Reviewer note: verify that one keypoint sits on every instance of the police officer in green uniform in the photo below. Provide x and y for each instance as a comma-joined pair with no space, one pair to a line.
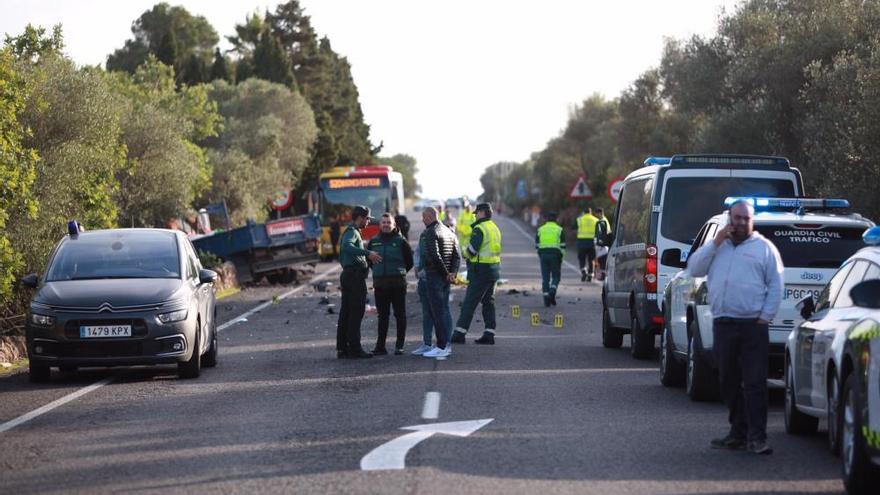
484,254
353,282
586,243
389,281
550,243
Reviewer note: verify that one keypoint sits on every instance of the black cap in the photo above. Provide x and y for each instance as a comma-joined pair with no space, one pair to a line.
487,207
360,211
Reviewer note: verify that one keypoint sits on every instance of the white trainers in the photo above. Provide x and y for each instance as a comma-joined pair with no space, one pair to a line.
437,352
420,350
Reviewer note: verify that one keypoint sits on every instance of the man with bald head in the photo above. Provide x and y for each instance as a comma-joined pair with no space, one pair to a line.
438,264
744,276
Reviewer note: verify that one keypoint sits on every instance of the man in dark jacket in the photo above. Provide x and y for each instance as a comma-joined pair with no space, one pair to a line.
389,281
353,282
439,255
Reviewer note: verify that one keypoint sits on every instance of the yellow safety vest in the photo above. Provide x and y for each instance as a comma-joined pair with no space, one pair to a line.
490,249
587,226
463,226
442,216
549,236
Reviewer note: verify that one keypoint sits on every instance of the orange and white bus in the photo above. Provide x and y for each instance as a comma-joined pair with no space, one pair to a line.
378,187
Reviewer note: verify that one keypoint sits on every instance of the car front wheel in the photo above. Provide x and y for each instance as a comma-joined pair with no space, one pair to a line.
672,373
192,368
834,414
859,474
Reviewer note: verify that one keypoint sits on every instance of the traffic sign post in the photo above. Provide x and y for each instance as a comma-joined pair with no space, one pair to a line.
581,189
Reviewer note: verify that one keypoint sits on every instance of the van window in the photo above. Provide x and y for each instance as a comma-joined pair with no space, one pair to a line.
635,212
810,246
689,201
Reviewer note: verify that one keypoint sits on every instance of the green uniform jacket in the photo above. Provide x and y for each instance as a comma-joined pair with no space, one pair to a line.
351,249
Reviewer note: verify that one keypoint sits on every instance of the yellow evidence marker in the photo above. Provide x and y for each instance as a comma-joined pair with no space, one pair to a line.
514,310
536,319
558,321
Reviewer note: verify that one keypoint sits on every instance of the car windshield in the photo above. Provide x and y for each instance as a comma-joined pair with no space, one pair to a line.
689,201
337,203
813,246
116,254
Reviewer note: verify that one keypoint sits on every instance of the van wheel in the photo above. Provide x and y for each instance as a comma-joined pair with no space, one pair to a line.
833,407
859,474
612,338
796,422
672,372
701,384
193,367
641,340
38,373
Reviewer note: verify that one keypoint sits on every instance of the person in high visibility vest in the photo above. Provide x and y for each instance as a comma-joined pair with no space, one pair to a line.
484,254
550,243
463,226
586,243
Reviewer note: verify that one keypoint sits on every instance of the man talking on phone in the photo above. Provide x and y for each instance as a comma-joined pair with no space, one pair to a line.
744,276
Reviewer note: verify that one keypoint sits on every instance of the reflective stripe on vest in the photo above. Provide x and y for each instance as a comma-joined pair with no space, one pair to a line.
549,236
587,226
490,249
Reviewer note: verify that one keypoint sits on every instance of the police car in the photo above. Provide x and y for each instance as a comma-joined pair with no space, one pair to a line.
812,241
833,366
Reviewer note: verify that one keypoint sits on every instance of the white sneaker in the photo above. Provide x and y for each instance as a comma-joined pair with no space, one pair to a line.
437,352
420,350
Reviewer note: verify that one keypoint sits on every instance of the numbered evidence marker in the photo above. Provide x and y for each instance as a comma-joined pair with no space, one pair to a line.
514,311
536,319
558,321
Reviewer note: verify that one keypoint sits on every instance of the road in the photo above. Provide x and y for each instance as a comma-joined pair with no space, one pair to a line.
281,414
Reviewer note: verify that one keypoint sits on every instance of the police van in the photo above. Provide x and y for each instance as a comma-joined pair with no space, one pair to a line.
813,237
661,208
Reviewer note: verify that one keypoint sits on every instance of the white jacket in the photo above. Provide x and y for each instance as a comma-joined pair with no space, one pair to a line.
744,281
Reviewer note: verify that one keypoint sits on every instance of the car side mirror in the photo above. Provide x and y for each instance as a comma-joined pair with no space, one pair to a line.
673,257
807,306
207,276
31,280
866,294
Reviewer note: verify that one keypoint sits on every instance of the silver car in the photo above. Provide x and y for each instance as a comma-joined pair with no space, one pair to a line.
122,297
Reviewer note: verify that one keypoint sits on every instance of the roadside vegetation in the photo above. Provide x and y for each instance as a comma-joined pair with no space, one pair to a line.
797,79
170,125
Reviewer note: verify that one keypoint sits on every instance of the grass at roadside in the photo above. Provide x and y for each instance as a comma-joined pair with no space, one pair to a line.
226,292
14,367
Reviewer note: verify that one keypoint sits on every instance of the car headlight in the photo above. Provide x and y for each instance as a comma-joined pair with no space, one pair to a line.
172,316
42,320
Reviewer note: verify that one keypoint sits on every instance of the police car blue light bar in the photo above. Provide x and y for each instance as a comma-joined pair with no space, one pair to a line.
872,236
657,160
788,203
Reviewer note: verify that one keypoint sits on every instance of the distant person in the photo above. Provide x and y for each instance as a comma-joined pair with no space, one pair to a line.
550,243
603,242
439,259
464,224
484,254
402,225
586,243
353,283
389,281
745,283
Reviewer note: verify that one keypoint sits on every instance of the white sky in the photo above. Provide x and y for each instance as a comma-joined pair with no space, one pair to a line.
458,84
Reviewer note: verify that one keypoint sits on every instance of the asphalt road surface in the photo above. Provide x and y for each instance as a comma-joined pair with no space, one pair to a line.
281,414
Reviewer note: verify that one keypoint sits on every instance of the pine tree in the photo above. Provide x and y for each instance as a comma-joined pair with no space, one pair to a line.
193,72
167,52
270,61
219,69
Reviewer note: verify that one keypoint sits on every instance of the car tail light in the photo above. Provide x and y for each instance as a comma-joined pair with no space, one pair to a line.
651,269
657,320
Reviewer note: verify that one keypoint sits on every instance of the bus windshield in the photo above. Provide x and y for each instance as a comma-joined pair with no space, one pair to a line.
336,203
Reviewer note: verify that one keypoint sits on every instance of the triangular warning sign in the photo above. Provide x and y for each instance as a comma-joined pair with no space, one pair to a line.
581,190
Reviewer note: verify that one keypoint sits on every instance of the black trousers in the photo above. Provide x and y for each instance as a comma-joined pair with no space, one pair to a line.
386,298
353,283
586,255
742,353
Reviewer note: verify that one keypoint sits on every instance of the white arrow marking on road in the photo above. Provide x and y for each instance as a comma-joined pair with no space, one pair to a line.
391,455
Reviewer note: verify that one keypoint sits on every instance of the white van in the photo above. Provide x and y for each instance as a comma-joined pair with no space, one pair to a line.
662,207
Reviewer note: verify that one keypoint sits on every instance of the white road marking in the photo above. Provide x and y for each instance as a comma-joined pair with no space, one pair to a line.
392,455
532,238
24,418
431,408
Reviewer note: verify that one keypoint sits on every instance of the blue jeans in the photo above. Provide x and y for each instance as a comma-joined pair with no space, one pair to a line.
434,296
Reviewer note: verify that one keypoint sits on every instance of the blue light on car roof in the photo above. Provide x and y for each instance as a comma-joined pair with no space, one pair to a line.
657,160
872,236
73,227
789,203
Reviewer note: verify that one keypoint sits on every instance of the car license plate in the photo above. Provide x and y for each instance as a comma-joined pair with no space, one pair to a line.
799,292
101,331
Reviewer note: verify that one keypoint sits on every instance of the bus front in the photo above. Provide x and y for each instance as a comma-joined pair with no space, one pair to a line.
338,195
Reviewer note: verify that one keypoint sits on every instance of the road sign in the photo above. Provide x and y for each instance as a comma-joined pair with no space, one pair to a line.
614,189
392,455
282,200
581,190
514,311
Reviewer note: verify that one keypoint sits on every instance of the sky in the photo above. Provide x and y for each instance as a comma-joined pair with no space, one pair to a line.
459,84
